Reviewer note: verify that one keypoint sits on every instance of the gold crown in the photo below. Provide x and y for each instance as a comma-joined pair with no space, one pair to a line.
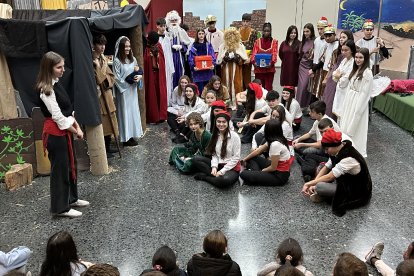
210,18
323,22
368,24
329,29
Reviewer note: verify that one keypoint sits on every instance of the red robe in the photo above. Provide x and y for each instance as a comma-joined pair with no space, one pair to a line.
155,86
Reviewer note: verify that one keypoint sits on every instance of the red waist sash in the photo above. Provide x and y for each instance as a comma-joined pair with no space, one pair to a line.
284,166
51,128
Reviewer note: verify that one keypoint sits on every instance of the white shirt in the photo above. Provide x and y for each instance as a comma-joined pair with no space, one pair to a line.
314,131
198,107
233,152
52,106
216,38
328,54
319,46
176,102
294,109
370,45
277,148
287,132
267,110
347,165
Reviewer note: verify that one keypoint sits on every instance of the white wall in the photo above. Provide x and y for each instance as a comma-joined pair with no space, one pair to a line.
282,14
143,3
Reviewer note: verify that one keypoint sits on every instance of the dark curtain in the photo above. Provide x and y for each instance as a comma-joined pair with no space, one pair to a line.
160,8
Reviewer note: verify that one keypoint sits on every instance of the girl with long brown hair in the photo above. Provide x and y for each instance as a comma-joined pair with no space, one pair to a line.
58,130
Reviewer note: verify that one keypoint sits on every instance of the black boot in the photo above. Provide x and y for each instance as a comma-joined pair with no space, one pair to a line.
108,149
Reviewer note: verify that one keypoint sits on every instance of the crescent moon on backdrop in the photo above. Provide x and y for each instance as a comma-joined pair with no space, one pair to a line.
341,5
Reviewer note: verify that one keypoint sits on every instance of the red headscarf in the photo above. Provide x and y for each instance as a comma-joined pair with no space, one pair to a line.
331,138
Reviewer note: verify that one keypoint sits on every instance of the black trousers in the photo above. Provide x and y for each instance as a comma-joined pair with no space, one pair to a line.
254,175
63,189
249,131
203,164
172,121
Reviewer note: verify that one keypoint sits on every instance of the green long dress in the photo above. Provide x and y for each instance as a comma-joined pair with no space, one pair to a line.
191,148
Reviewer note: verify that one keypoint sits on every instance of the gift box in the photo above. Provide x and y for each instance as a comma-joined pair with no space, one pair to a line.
203,62
263,60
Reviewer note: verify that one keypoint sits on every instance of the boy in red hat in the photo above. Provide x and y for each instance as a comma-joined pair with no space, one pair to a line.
345,177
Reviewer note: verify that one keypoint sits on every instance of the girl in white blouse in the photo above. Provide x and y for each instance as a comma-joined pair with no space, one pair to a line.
292,105
222,170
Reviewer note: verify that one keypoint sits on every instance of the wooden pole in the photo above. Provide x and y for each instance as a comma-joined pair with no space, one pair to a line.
96,149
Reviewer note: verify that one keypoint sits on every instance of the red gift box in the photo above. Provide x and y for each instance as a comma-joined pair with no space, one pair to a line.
203,62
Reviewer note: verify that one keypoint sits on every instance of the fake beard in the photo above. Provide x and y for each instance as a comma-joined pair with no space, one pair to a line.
175,30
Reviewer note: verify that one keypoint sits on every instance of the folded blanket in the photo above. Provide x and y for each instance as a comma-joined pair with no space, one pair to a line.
400,86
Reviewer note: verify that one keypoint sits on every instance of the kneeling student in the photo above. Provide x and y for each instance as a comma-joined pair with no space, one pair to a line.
344,178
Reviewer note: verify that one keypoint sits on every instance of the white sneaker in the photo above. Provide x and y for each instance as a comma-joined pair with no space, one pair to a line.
72,213
80,203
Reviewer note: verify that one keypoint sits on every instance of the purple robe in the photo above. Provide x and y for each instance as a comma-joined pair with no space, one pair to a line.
303,96
178,60
201,77
330,88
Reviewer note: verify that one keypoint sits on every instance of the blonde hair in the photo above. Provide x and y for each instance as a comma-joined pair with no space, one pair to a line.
45,77
232,39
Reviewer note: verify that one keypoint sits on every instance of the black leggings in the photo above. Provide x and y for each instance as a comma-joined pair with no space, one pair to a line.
172,121
254,176
203,165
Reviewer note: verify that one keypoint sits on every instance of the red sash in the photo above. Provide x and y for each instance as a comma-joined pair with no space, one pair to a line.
51,128
284,166
298,120
236,168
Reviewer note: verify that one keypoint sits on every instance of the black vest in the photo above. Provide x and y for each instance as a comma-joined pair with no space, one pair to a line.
62,99
352,191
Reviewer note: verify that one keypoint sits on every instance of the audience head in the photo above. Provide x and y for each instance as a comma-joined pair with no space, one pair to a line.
288,94
258,81
246,18
216,107
210,97
272,98
405,268
279,113
317,109
220,127
161,25
349,265
409,253
292,35
331,141
329,33
290,250
191,94
215,84
288,270
99,42
101,270
273,132
368,28
348,50
60,252
322,23
345,36
215,244
183,81
324,124
194,121
164,260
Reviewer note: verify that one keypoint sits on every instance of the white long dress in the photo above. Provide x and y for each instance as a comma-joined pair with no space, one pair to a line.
169,66
345,67
354,120
126,95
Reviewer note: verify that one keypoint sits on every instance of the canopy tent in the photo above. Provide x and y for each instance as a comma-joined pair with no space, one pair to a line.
69,33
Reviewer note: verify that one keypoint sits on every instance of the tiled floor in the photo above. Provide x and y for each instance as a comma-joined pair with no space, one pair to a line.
146,203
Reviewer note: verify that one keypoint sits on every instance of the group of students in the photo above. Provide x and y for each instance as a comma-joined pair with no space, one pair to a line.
62,259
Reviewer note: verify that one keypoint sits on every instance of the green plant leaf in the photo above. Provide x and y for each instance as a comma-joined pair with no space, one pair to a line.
2,174
5,128
7,139
19,144
19,132
19,160
12,150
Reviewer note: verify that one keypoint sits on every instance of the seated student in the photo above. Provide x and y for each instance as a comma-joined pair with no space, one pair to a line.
209,100
291,104
214,260
259,117
176,108
348,264
344,179
405,268
288,252
304,145
274,171
241,99
309,163
14,260
373,257
101,270
222,93
62,257
181,156
192,103
165,260
223,169
279,114
208,117
254,101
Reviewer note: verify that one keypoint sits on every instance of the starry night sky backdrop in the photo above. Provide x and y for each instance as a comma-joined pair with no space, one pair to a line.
393,11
